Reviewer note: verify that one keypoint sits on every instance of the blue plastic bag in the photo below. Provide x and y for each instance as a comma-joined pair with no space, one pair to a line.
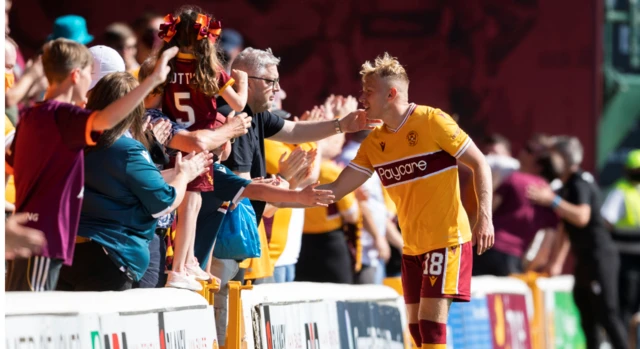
238,237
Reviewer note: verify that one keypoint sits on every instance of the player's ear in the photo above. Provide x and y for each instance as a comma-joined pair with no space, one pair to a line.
393,92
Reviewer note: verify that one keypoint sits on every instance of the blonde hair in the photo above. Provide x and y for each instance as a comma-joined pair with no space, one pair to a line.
385,66
61,56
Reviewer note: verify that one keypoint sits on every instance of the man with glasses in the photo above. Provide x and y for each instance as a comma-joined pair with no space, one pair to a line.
248,157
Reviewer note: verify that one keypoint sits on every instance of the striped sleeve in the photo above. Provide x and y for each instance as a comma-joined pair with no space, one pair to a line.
361,162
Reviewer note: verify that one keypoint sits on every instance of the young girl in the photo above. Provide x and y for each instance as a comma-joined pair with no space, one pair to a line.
196,78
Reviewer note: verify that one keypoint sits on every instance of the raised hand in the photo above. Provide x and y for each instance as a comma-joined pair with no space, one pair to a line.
294,163
310,196
162,68
240,76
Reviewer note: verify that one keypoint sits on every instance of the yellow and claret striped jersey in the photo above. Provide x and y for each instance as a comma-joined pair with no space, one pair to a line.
417,164
318,220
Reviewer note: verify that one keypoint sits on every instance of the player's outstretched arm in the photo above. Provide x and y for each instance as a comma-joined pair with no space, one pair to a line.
482,182
348,181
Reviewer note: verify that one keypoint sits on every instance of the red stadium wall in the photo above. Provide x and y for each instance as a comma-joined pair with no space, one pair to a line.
510,66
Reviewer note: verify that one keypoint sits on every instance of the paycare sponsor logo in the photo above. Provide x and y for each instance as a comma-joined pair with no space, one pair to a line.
414,167
399,171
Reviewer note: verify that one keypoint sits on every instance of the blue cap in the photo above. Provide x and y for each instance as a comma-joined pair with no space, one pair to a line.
71,27
230,39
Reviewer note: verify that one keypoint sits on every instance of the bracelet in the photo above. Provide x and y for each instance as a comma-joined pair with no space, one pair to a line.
556,201
337,125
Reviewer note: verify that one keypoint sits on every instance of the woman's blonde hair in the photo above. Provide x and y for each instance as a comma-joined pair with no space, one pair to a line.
208,65
109,89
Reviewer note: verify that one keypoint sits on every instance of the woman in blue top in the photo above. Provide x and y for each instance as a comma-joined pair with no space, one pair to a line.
124,195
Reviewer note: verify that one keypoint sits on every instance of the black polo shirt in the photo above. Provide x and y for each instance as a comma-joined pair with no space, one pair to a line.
247,153
594,240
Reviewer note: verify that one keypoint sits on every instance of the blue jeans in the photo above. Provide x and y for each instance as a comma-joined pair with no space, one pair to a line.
154,276
284,273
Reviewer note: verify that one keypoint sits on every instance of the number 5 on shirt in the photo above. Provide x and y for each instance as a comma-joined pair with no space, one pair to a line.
184,108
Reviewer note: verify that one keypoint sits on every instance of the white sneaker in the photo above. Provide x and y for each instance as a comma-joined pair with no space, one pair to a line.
193,269
183,281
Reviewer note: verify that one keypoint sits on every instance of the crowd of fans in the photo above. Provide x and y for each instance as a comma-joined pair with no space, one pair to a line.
128,157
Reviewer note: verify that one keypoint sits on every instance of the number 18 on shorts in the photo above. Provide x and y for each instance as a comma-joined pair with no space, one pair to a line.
441,273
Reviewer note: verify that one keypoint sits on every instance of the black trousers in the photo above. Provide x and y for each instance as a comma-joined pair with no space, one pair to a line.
92,270
629,286
494,262
596,296
325,258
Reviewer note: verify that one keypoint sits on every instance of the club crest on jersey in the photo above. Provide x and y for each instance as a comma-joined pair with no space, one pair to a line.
412,138
382,145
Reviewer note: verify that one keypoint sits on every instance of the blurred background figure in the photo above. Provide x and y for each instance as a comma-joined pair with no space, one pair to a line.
496,144
584,233
121,38
621,210
232,44
146,29
71,27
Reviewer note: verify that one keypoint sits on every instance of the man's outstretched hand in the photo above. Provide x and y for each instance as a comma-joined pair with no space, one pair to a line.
358,121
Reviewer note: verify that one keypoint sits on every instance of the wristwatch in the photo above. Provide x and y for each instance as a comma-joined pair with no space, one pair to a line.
336,124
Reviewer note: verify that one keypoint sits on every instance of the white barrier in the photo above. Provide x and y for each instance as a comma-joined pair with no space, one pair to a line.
135,319
311,315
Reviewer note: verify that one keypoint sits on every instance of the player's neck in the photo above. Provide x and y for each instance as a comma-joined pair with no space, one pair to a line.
60,93
395,115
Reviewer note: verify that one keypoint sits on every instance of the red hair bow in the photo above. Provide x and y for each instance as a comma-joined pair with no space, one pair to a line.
207,28
168,28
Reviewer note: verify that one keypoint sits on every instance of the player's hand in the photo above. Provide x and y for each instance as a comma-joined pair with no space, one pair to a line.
21,241
357,121
483,235
193,164
310,196
162,68
238,124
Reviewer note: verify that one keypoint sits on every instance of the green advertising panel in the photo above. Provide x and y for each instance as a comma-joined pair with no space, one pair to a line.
568,334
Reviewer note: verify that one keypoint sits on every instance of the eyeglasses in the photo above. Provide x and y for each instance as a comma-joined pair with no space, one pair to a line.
273,82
